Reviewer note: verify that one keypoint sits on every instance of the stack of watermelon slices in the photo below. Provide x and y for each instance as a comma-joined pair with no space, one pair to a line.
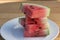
35,22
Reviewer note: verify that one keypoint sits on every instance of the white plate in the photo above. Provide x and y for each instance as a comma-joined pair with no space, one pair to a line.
11,30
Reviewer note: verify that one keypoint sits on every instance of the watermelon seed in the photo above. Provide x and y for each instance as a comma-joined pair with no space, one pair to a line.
24,12
40,28
31,7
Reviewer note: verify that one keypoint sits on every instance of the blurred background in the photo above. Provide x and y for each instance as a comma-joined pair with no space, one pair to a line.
42,0
4,1
10,10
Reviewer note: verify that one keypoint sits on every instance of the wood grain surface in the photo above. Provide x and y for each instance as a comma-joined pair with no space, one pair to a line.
11,10
7,1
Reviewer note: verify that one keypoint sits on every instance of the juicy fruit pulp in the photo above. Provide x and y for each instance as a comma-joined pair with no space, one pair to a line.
34,30
35,11
34,22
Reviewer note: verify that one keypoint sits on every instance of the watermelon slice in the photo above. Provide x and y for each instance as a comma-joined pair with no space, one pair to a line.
35,11
35,30
35,22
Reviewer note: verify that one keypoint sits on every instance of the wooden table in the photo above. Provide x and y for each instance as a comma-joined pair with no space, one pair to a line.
11,10
7,1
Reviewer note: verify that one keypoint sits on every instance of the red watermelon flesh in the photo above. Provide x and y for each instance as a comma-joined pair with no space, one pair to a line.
33,28
35,21
34,11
